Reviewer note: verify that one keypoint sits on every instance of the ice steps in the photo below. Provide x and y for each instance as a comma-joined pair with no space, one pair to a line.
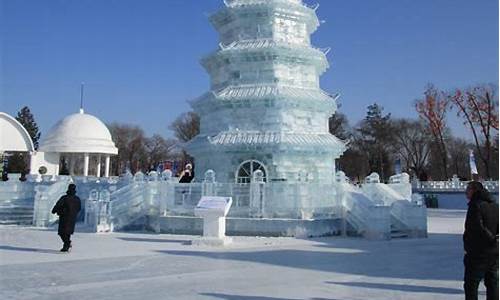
20,214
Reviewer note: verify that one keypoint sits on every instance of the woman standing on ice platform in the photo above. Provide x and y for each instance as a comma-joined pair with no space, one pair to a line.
480,243
186,175
67,209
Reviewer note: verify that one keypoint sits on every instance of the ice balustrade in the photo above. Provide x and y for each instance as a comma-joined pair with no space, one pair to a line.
155,194
16,201
16,193
409,217
367,218
128,204
152,196
453,185
46,196
97,211
407,213
255,199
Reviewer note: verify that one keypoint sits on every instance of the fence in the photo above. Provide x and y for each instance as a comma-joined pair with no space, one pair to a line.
453,185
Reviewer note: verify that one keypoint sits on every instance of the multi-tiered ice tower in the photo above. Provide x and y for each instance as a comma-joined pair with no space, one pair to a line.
265,110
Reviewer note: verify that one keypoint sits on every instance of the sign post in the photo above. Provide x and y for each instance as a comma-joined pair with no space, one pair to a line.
213,210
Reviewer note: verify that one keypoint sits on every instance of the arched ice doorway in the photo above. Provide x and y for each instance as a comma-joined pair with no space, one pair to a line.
245,171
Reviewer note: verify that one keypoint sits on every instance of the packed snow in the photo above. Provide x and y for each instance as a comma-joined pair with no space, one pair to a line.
158,266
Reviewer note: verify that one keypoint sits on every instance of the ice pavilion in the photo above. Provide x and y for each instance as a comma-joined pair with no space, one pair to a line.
79,140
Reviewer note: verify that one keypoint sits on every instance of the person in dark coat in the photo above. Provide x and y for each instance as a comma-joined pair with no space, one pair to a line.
480,242
67,208
187,175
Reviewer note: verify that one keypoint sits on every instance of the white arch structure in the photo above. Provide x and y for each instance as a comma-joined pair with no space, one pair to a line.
13,136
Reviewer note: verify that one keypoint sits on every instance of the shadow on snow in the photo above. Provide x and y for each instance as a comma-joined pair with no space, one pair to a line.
401,287
437,258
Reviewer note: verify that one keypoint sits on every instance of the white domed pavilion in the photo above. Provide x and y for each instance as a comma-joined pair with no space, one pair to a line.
80,140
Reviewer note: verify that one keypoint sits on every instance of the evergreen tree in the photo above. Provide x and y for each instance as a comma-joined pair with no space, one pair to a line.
376,139
25,117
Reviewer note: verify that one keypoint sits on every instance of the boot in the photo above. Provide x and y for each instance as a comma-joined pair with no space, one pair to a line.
66,247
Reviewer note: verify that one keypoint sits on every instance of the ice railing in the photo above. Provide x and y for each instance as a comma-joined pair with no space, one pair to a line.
98,211
257,199
154,195
148,197
16,201
407,212
16,193
452,185
46,196
368,218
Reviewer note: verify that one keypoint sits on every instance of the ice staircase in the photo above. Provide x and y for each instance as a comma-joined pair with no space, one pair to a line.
128,205
408,218
382,211
16,203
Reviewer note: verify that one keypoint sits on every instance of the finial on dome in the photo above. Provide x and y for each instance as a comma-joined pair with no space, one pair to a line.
81,97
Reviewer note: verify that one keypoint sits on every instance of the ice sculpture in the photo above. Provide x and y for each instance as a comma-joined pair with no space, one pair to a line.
264,142
265,110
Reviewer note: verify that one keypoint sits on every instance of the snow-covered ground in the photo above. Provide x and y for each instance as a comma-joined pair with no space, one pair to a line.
146,266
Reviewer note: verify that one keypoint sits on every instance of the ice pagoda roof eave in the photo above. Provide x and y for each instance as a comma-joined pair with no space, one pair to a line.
267,47
224,16
236,138
266,92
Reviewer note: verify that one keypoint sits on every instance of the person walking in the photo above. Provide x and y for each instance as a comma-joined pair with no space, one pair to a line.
480,243
67,209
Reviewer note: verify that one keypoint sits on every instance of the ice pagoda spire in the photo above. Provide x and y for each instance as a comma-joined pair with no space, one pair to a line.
265,109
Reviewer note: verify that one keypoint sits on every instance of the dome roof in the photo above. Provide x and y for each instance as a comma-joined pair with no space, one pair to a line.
79,133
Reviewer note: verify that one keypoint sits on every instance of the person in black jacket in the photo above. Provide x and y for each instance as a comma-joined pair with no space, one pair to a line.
186,175
480,242
67,208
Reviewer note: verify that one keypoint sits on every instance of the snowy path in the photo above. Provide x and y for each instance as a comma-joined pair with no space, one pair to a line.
145,266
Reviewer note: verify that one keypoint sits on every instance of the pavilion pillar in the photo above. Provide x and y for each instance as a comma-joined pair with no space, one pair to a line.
98,166
71,164
86,164
106,166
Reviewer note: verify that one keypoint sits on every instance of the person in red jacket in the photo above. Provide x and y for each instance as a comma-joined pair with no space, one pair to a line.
480,243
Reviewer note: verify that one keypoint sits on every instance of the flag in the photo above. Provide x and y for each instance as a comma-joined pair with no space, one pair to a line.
472,163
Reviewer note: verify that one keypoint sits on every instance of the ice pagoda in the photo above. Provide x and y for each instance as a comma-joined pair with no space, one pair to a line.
265,109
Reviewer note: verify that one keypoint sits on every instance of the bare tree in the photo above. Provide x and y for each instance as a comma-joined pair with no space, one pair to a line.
478,106
130,141
432,109
411,142
159,149
186,126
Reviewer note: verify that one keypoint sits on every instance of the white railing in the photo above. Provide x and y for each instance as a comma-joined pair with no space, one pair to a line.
449,186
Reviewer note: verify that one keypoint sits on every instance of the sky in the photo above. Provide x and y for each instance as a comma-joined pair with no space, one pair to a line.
139,59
